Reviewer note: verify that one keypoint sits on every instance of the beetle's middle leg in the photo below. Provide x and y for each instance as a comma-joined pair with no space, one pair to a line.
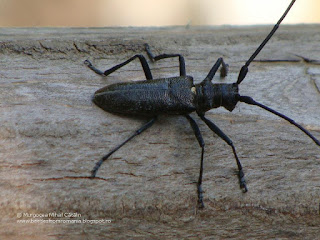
143,61
139,131
197,133
225,138
182,65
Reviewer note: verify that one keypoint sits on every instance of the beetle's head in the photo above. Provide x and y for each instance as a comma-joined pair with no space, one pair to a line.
229,94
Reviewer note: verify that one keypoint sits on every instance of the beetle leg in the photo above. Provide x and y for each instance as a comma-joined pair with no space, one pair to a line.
143,61
197,133
140,130
225,138
223,71
182,65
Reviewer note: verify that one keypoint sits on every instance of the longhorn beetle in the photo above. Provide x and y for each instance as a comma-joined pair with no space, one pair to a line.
180,96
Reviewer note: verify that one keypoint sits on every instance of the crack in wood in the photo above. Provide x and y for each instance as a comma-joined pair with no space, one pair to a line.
69,177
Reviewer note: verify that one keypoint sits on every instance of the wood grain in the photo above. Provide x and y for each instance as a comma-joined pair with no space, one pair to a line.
51,135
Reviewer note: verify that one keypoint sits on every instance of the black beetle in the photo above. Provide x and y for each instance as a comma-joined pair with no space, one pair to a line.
180,96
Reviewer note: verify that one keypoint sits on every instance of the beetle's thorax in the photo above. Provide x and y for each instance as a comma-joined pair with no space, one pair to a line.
216,95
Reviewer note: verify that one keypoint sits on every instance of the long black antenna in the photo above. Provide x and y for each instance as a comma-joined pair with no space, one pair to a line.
249,100
244,70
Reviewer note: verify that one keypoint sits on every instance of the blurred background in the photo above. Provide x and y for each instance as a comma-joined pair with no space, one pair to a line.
103,13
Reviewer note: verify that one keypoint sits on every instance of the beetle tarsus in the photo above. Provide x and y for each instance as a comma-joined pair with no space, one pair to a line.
224,70
89,65
95,169
242,181
87,62
200,196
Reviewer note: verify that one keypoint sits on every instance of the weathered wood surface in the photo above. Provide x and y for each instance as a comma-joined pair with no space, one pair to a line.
51,135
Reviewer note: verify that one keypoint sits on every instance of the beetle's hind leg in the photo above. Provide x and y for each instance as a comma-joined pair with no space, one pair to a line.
182,65
139,131
143,61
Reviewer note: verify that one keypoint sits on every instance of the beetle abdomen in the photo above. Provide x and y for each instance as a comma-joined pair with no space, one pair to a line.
151,97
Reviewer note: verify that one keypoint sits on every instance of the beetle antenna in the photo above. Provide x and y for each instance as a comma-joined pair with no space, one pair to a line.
250,101
244,70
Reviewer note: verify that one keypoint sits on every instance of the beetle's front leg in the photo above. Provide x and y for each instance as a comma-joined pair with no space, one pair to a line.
225,138
223,71
197,133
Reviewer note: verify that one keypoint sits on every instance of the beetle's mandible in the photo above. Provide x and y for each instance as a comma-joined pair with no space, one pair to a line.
180,96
